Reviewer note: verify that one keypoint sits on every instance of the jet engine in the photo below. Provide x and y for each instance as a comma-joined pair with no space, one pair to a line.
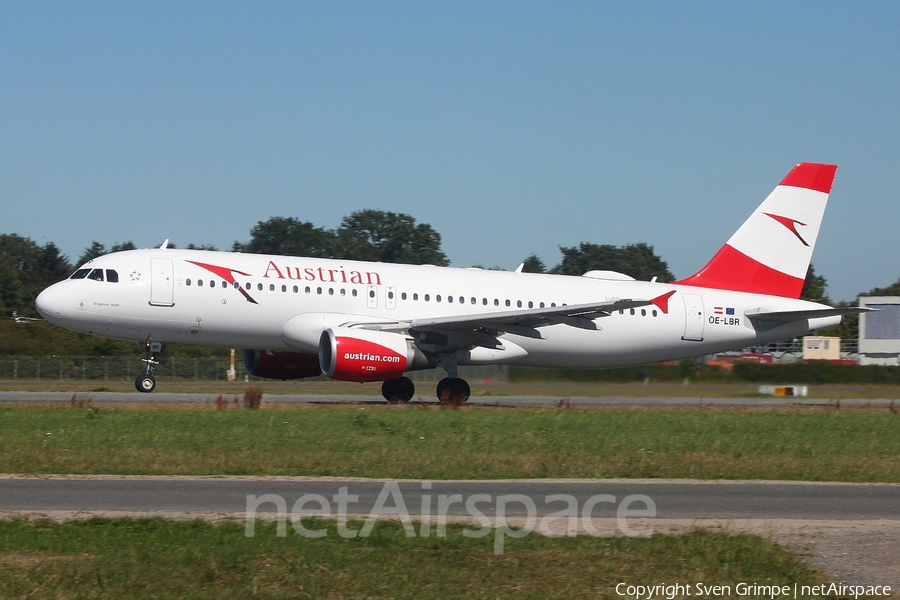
281,365
351,354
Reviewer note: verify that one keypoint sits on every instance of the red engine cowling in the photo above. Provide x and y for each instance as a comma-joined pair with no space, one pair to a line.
281,365
364,355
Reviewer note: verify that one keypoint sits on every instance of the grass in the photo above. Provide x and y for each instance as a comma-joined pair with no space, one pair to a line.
473,442
480,387
131,558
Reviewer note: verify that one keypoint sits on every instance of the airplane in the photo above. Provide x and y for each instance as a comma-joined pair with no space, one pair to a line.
372,322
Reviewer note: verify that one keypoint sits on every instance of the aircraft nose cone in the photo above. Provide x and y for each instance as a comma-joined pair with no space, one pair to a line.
49,302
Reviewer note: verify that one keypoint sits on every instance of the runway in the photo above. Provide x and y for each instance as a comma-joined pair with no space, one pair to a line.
672,499
508,401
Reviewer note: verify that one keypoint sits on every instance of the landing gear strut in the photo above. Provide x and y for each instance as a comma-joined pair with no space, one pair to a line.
400,390
146,382
452,390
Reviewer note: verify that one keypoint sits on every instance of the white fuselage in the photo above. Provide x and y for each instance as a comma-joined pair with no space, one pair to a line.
165,295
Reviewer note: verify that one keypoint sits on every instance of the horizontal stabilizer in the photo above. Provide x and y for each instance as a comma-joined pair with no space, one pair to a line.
786,316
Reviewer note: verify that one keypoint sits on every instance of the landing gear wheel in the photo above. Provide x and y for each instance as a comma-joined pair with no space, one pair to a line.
399,390
453,391
145,383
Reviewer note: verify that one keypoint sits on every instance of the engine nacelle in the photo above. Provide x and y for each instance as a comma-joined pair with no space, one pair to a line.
351,354
281,365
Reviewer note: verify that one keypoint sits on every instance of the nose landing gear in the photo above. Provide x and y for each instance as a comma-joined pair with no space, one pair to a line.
146,382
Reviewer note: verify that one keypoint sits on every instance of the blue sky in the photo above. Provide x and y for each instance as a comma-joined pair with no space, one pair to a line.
511,127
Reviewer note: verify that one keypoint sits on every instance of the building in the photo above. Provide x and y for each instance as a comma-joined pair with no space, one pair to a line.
879,331
816,347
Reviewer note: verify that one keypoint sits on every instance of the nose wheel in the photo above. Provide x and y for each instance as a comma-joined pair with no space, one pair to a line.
146,382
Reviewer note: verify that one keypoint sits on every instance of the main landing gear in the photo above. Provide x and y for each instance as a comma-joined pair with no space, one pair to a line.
453,391
146,382
398,391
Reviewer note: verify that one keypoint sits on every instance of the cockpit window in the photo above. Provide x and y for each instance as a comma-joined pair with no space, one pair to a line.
112,276
96,275
80,274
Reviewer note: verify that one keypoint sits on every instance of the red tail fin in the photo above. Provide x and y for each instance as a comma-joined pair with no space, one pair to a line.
770,253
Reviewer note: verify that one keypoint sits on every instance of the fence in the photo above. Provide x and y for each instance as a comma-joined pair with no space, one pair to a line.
112,368
127,368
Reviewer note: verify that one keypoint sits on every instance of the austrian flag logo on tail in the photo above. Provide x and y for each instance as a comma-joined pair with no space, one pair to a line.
791,224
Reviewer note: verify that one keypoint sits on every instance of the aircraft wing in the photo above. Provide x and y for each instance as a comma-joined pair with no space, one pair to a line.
524,321
786,316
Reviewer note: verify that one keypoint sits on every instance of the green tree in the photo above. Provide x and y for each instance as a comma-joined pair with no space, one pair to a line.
26,269
96,250
891,290
533,264
814,287
636,260
287,235
388,237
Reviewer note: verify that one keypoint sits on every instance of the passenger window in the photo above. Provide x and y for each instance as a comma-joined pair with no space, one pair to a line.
259,286
224,284
437,298
462,300
343,292
96,275
519,303
507,302
237,286
319,291
80,274
112,276
283,288
271,287
199,283
449,299
484,301
632,311
390,295
371,293
187,282
353,293
496,302
415,296
248,285
296,289
307,290
654,312
542,305
643,312
403,295
427,297
331,291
